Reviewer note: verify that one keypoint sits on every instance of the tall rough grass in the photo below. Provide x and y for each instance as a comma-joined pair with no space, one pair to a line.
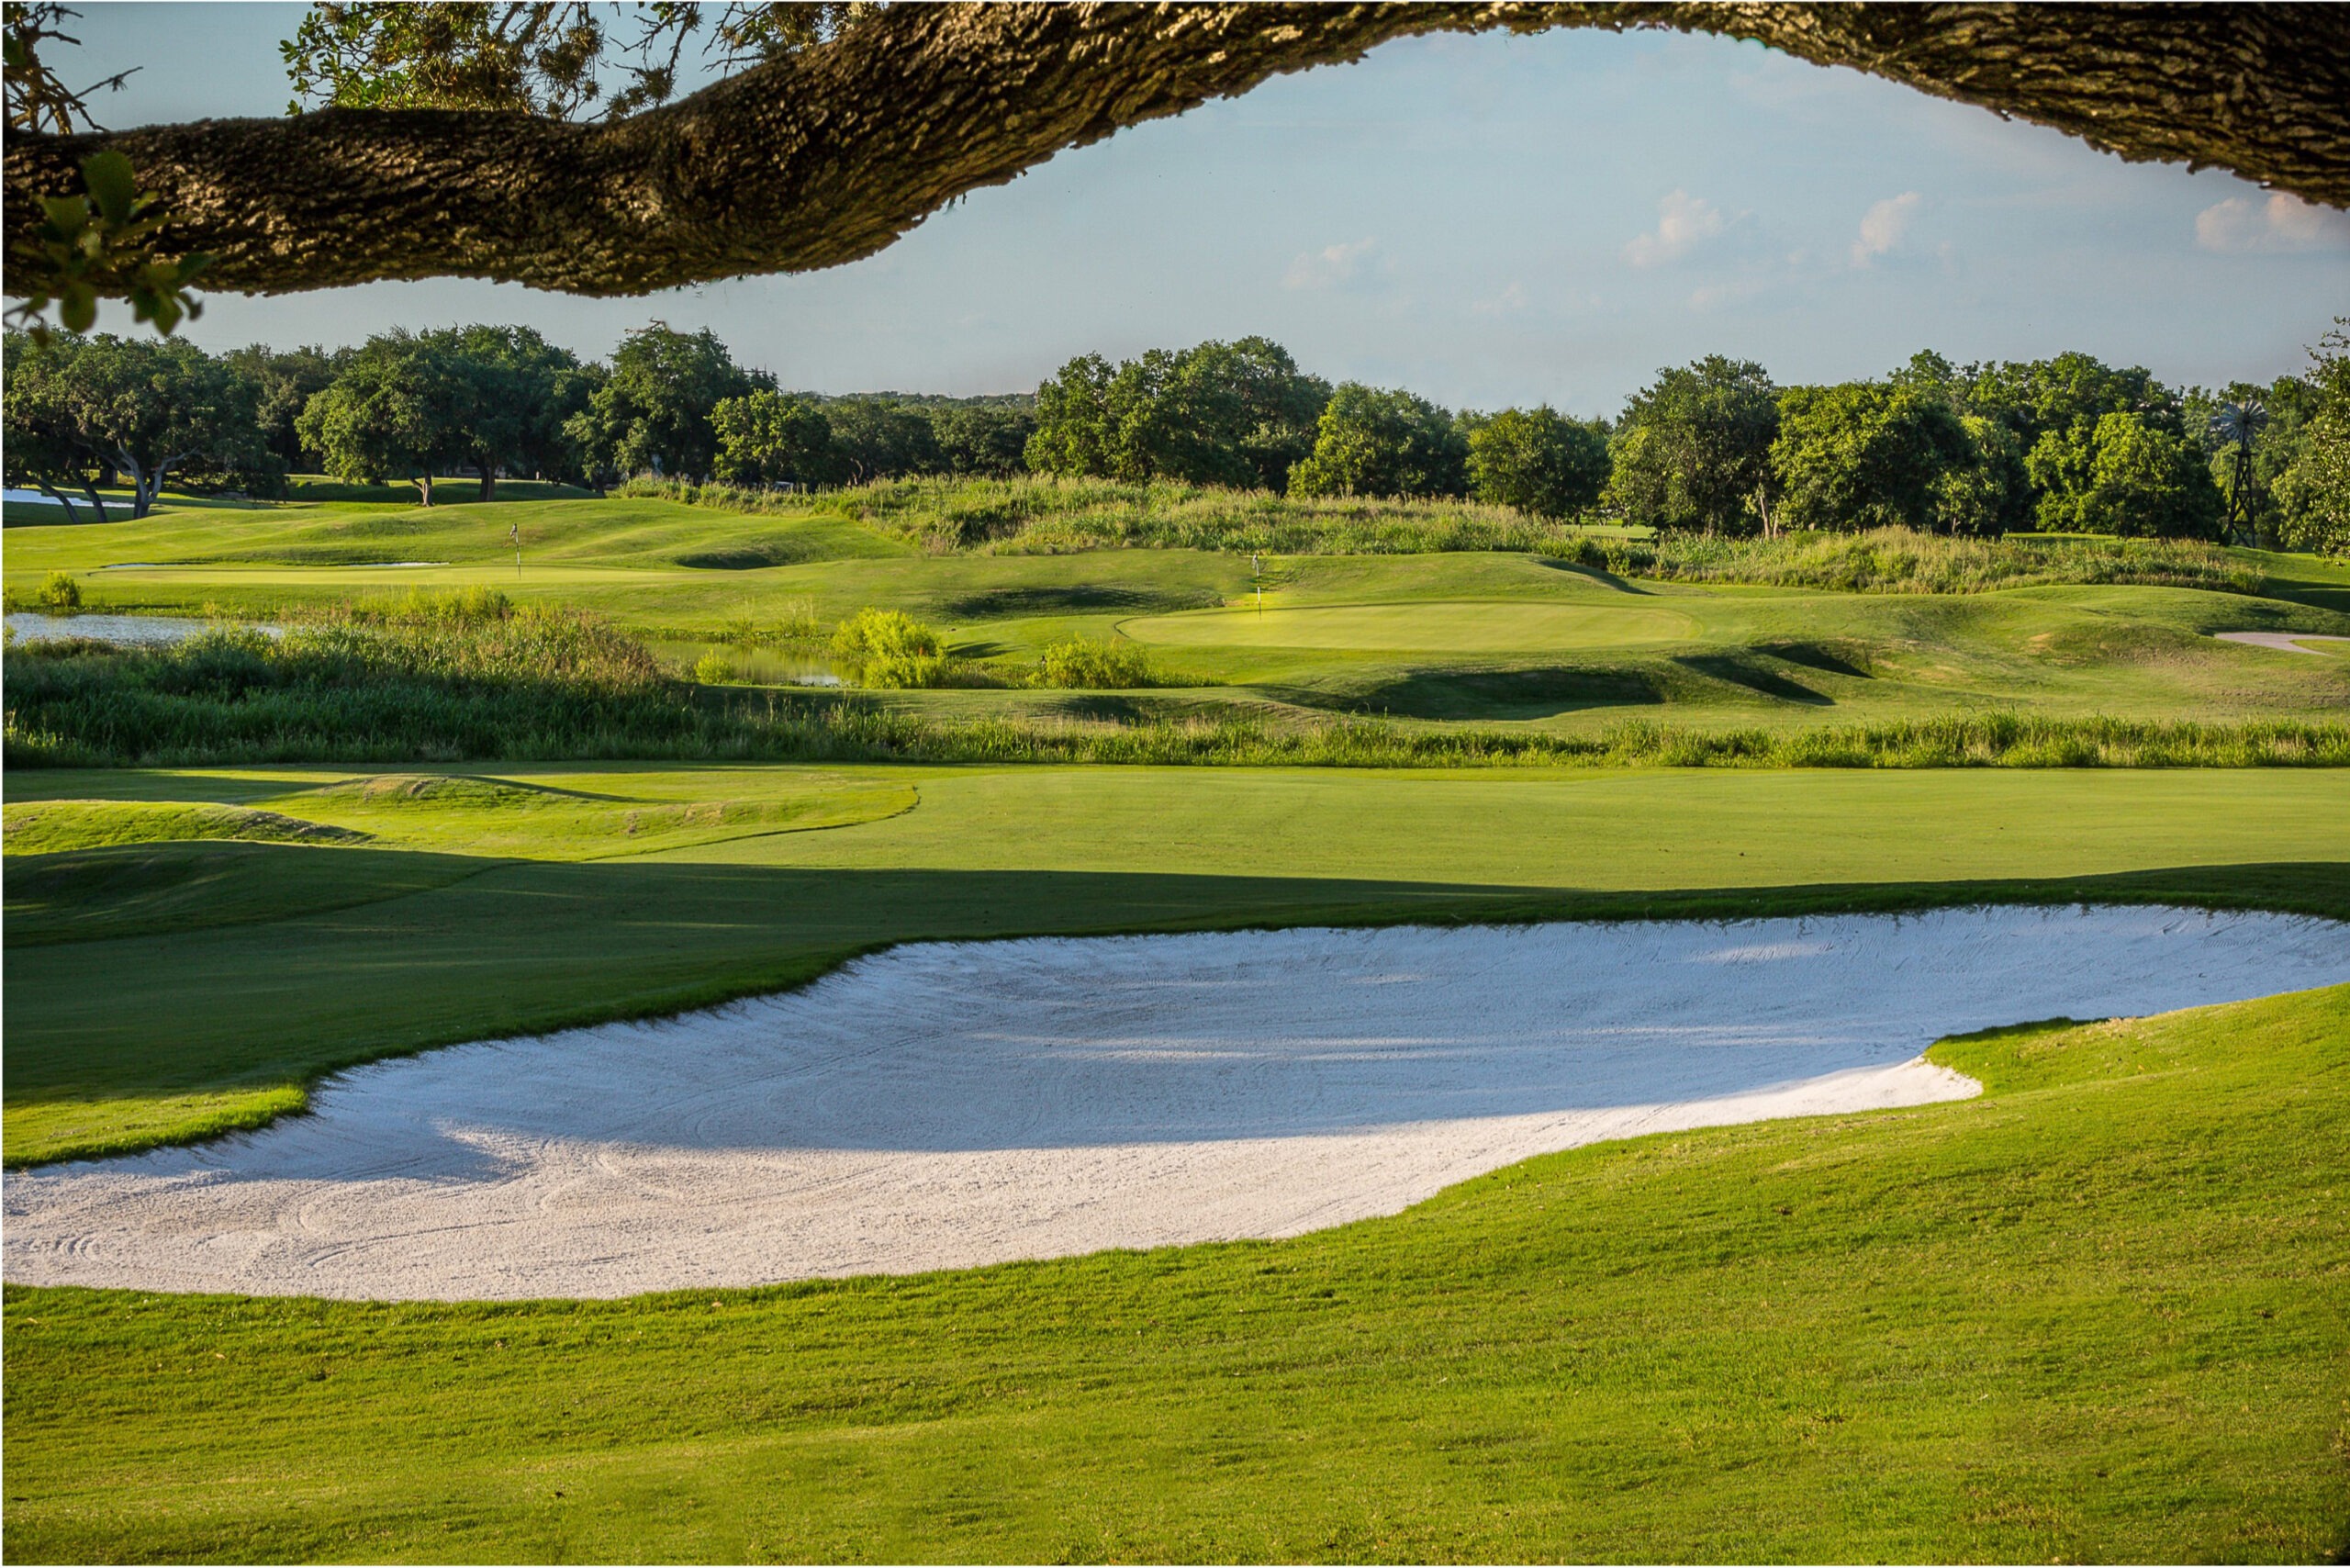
1042,515
858,733
443,683
430,678
1900,560
1037,515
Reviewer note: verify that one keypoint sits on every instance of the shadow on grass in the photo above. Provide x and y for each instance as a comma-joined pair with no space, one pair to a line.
1074,599
1442,693
1825,658
1743,670
1600,574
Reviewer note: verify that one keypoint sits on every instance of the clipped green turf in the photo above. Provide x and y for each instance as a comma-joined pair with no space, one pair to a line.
477,814
1437,627
142,994
2096,1315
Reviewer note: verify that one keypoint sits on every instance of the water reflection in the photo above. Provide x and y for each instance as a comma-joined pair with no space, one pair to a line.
129,631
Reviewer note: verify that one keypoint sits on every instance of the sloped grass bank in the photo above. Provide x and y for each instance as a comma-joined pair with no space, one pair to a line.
440,686
1042,515
2094,1315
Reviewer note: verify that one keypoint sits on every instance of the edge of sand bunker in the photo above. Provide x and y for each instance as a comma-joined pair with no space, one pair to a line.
943,1106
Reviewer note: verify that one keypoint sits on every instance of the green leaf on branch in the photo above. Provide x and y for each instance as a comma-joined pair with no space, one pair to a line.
101,243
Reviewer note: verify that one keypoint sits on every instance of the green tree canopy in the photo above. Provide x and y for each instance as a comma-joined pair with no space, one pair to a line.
1865,454
145,406
1239,414
286,381
1693,449
881,438
1990,491
39,448
2069,392
2312,495
2126,475
1538,461
767,438
651,411
1380,441
396,409
983,438
518,391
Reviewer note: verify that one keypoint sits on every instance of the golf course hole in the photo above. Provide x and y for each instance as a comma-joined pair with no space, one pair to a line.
949,1104
1456,627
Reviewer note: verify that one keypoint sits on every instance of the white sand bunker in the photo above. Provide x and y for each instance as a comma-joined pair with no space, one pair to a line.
2283,641
946,1105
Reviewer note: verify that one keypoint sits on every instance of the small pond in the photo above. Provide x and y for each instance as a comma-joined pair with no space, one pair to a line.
130,630
752,665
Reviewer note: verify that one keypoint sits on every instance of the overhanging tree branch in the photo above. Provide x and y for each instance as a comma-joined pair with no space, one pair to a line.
831,154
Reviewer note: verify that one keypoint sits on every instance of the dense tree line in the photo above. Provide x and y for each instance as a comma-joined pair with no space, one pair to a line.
479,402
2067,444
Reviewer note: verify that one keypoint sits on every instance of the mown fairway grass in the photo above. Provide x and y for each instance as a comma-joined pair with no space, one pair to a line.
2098,1314
155,993
1478,637
1491,628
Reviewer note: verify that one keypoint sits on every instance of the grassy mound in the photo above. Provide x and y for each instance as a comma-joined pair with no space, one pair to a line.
47,827
1039,514
2092,1315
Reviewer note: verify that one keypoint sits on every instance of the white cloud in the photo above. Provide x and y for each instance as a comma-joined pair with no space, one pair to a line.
1508,302
1683,222
1883,226
1326,268
2281,223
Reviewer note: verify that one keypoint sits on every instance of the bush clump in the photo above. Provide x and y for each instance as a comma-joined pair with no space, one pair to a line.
1085,665
889,649
61,595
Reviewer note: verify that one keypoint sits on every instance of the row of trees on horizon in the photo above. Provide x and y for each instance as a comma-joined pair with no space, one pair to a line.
2068,443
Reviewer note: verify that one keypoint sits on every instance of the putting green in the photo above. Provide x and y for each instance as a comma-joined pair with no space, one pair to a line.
1474,627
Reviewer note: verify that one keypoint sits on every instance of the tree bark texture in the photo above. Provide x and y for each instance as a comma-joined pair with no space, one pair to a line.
832,154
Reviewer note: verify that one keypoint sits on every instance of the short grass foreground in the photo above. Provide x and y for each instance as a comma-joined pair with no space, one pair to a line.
2095,1313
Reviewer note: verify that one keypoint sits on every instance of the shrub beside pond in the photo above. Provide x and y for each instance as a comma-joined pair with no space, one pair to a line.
1085,664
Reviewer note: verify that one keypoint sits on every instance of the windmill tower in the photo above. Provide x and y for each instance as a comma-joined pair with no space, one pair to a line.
2237,426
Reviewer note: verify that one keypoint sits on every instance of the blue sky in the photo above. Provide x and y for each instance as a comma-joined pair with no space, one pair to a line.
1486,220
